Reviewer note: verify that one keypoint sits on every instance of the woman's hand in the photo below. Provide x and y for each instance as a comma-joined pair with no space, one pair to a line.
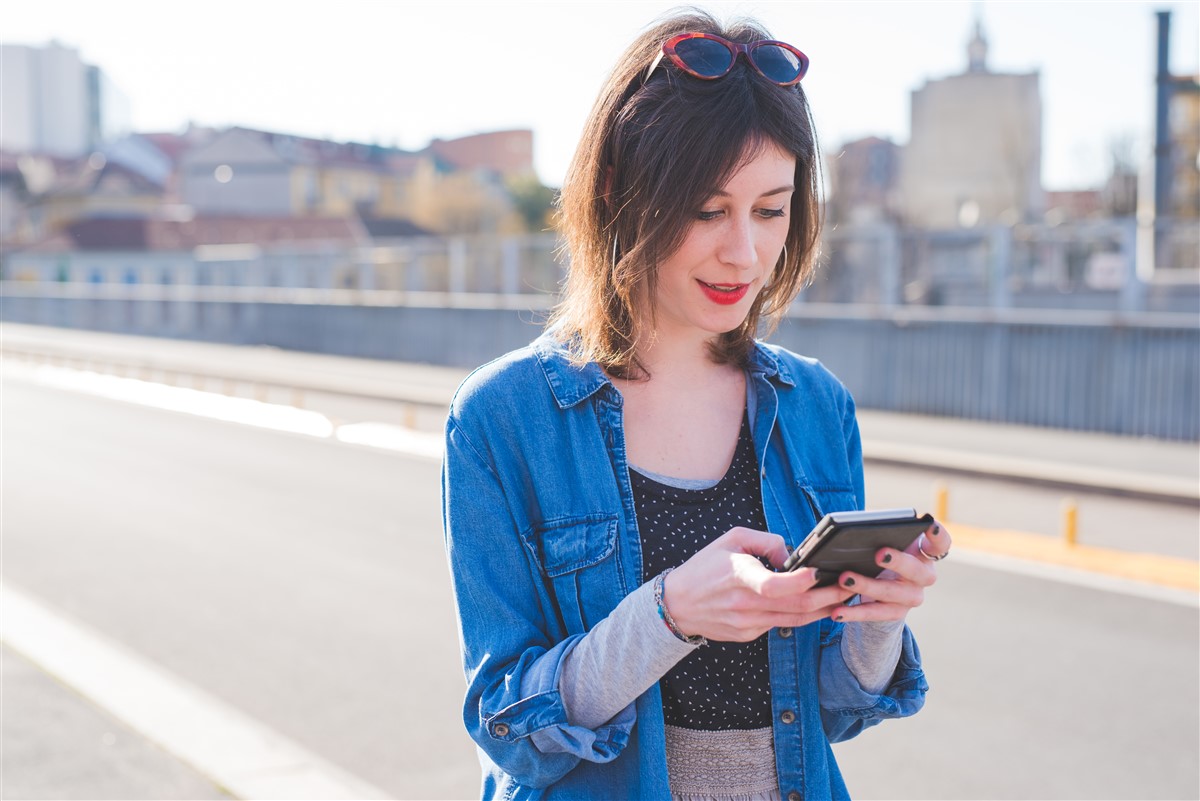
724,592
901,586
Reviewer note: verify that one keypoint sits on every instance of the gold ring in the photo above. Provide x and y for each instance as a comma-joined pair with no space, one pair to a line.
930,556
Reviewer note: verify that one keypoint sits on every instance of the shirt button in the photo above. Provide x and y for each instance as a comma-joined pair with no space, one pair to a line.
500,730
787,716
764,472
794,796
786,631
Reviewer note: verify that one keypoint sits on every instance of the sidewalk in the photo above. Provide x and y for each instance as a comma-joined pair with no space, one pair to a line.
1144,468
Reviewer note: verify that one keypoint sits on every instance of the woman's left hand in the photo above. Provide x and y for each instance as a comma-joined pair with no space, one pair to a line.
901,586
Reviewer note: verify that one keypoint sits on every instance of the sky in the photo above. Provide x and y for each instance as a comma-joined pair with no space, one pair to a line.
401,73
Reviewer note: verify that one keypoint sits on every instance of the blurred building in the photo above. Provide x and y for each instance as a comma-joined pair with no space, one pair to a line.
89,188
203,251
241,171
1075,204
452,186
507,153
56,104
1185,148
863,181
13,194
975,153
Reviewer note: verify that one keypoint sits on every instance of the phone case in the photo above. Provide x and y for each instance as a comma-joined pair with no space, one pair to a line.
849,541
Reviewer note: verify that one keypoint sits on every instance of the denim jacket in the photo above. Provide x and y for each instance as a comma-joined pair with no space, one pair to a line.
542,540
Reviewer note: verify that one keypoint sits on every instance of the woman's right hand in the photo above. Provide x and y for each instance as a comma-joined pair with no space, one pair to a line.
724,592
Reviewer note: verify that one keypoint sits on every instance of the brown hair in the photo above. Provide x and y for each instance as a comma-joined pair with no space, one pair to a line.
652,152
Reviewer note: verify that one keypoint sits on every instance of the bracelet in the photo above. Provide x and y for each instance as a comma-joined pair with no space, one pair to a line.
659,585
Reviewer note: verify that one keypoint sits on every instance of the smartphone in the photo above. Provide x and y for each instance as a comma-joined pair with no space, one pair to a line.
850,540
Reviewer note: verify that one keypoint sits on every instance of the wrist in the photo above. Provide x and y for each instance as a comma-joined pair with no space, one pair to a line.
660,600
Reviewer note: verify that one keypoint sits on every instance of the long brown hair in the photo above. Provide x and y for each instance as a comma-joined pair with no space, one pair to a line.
653,151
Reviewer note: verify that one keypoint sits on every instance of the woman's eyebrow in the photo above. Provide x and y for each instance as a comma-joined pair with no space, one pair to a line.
780,190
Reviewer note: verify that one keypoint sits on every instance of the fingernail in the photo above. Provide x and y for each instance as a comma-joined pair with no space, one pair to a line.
887,557
840,618
936,529
848,582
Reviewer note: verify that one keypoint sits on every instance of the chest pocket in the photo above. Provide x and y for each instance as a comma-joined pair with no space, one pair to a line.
577,557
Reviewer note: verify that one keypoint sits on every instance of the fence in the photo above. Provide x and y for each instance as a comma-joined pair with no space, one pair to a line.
1082,265
1132,374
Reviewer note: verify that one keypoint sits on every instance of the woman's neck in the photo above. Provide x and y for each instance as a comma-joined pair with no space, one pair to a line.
671,360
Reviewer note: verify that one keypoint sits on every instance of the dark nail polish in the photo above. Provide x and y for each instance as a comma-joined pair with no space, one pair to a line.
840,618
936,529
887,558
848,582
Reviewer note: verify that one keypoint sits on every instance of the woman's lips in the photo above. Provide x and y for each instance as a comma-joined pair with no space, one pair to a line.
724,294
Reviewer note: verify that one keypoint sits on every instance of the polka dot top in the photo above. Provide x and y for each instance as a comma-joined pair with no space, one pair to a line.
724,685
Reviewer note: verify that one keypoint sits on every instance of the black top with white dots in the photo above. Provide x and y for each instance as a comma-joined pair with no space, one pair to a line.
724,685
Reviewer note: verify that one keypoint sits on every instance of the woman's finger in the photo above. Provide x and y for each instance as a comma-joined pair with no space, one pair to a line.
874,611
757,543
933,545
904,566
888,591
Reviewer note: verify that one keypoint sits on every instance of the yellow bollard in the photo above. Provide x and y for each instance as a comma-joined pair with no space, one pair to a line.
941,501
1070,521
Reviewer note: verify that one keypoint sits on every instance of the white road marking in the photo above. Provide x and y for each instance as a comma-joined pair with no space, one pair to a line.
246,411
243,411
247,758
392,437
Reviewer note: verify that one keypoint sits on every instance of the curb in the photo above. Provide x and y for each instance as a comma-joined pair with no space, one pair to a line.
1163,571
1162,489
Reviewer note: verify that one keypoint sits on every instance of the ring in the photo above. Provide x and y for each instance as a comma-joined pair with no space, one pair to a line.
930,556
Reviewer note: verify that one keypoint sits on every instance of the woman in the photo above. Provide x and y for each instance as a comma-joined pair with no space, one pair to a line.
614,492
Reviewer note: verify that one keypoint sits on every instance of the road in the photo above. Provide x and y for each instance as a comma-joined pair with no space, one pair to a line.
302,581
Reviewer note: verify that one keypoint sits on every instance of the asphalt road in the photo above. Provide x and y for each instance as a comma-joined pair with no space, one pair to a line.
303,582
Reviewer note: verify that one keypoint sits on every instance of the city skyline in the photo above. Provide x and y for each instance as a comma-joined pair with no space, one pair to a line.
380,77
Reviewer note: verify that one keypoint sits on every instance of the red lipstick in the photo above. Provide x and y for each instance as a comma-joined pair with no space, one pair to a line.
724,294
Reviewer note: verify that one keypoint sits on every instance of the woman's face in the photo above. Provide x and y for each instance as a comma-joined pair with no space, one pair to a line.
709,284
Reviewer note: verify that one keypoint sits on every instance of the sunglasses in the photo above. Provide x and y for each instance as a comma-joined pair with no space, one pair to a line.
708,56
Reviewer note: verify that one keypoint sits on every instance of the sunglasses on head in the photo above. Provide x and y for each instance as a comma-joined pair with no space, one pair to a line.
708,56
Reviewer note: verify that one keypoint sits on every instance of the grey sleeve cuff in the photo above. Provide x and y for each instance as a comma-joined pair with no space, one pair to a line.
618,660
871,650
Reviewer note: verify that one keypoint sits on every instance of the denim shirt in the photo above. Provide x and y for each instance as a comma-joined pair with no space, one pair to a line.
542,540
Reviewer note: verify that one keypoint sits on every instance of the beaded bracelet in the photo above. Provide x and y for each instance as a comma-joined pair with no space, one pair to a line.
659,583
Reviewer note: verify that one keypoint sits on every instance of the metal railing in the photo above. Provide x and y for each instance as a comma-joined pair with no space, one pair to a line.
1120,372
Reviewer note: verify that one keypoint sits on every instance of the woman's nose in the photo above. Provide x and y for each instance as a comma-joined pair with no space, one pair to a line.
737,246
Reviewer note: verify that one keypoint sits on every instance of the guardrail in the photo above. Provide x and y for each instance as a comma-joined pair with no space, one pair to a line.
1120,372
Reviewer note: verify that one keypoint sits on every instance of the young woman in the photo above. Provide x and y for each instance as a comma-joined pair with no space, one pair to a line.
617,494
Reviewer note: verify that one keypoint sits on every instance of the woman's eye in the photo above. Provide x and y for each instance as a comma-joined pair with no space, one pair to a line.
779,212
708,215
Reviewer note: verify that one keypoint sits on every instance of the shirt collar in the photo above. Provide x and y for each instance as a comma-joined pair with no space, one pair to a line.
572,383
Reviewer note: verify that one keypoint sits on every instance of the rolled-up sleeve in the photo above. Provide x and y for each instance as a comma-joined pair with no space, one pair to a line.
513,709
846,707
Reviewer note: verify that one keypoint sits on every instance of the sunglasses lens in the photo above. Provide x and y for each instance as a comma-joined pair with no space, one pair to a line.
705,57
778,63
